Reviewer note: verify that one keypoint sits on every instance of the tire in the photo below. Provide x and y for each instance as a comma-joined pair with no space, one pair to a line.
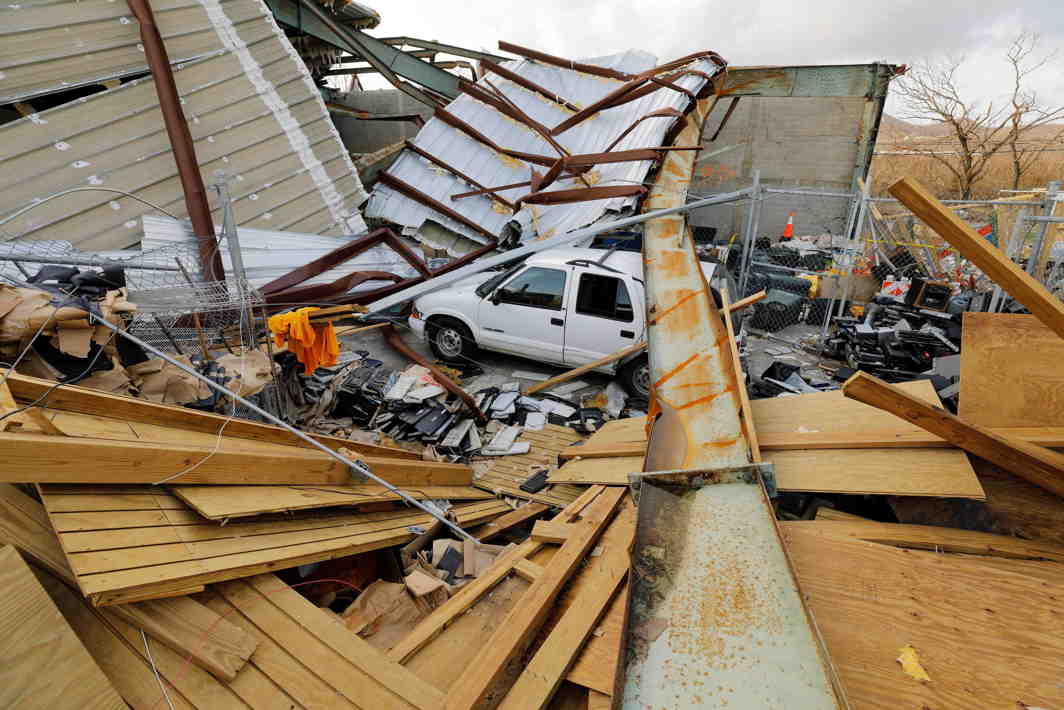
450,339
635,377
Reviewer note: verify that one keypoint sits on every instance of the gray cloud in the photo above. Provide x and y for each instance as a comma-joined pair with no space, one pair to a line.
753,31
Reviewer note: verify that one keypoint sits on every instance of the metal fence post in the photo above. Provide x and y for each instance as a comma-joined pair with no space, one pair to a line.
753,217
1048,205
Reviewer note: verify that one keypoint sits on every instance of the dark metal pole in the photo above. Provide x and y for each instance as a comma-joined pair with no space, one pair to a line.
196,204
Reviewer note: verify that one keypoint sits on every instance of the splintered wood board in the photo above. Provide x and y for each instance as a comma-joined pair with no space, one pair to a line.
1011,371
125,542
1021,508
987,637
507,473
42,662
221,502
296,663
894,471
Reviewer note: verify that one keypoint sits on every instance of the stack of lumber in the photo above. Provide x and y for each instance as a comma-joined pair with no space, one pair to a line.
505,474
819,442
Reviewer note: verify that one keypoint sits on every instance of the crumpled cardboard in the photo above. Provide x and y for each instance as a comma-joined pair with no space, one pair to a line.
383,614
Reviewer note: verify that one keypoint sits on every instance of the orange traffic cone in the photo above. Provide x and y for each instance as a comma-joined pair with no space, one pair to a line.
788,231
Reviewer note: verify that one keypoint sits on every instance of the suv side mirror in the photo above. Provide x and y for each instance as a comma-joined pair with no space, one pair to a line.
496,296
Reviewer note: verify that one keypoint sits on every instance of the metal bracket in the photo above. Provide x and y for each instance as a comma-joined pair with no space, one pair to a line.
359,472
753,473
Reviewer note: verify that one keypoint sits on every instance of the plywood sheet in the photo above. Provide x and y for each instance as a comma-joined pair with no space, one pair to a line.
222,502
136,540
1011,372
42,662
987,637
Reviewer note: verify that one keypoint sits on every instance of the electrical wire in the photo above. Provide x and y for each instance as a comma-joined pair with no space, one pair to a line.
155,669
64,193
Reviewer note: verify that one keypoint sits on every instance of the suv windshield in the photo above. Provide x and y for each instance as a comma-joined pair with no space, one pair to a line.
488,286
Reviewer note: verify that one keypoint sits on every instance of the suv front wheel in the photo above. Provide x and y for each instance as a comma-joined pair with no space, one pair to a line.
450,339
635,377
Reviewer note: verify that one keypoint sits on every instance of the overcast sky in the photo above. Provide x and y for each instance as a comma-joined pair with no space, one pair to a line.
751,31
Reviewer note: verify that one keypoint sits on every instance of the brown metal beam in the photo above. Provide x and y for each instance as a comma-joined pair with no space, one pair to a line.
325,262
582,194
563,63
660,113
196,204
481,190
418,196
393,339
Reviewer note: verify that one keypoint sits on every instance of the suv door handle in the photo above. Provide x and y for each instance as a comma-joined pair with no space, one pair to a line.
627,334
557,321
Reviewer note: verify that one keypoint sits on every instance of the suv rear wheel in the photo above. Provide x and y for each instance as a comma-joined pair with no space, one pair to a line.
635,377
450,339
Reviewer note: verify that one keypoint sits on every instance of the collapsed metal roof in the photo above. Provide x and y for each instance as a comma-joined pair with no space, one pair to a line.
252,108
522,116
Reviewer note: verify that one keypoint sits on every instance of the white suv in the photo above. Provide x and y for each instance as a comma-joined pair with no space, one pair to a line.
562,306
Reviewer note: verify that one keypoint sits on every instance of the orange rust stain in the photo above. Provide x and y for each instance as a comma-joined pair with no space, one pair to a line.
720,443
675,169
673,264
669,375
707,398
673,307
692,384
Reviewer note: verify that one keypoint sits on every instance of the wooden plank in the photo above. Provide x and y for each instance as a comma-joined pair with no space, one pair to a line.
1018,507
180,623
174,553
468,595
597,667
598,701
987,637
45,664
128,672
222,502
521,625
1041,466
305,687
599,580
745,411
1010,372
193,630
294,610
1051,436
577,371
127,462
917,472
511,520
974,247
931,537
528,570
442,660
551,532
89,401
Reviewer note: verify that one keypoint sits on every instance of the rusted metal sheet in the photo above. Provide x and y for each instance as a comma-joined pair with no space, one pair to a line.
715,618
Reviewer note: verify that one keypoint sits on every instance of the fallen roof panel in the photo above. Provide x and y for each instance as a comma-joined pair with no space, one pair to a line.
469,154
253,112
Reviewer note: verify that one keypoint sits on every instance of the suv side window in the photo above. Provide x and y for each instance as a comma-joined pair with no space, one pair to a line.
536,287
605,297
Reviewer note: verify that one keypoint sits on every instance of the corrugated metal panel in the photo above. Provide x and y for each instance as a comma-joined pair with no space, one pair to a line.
253,112
492,169
271,254
54,46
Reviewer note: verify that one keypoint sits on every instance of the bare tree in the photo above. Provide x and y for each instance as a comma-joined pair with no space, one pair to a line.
978,130
1028,113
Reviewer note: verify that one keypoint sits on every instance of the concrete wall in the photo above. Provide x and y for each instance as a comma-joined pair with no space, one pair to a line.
368,136
808,143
